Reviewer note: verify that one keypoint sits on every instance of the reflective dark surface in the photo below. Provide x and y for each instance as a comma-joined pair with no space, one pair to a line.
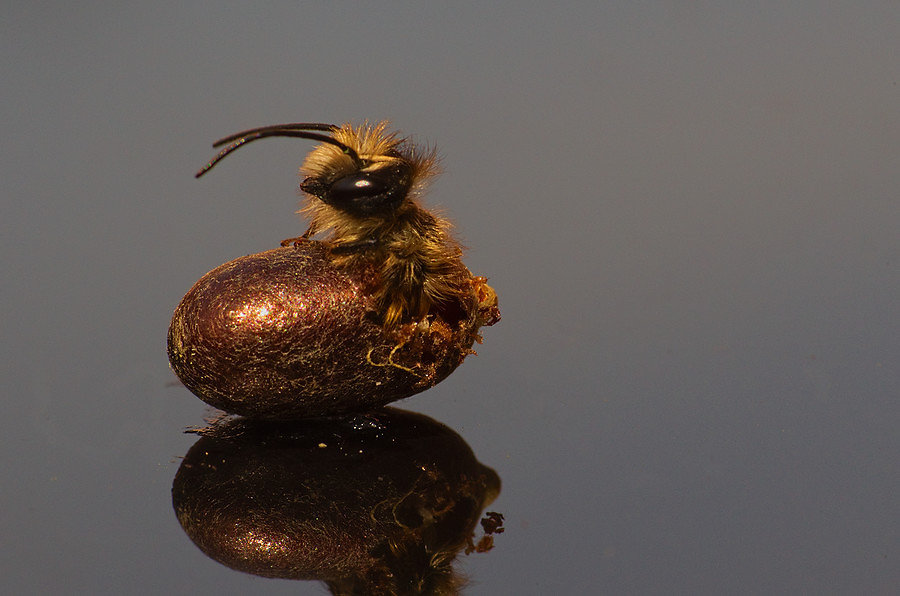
689,213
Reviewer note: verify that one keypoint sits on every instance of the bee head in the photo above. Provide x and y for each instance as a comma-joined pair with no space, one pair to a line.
373,184
361,171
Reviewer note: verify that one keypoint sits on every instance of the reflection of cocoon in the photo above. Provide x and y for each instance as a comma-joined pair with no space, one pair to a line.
386,499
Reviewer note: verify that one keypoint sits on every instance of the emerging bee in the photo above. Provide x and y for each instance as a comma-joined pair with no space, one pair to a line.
362,187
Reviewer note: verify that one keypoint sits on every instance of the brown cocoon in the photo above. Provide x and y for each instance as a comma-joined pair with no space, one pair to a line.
285,334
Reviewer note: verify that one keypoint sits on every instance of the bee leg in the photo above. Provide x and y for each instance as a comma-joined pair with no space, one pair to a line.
292,241
299,239
349,247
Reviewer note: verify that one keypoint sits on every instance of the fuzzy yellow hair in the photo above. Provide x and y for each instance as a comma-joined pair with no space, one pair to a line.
417,258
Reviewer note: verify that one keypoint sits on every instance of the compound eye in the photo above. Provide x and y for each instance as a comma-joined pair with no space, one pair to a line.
369,193
359,186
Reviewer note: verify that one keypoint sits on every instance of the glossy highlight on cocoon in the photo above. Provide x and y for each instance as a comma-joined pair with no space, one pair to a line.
378,309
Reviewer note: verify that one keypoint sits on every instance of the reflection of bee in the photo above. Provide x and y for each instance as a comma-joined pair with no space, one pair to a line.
362,187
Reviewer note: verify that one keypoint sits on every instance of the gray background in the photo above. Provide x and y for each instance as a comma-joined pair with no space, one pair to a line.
690,212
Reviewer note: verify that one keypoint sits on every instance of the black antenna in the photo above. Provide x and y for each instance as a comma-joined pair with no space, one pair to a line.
296,129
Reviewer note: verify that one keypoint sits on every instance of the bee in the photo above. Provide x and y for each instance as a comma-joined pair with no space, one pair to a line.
362,188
